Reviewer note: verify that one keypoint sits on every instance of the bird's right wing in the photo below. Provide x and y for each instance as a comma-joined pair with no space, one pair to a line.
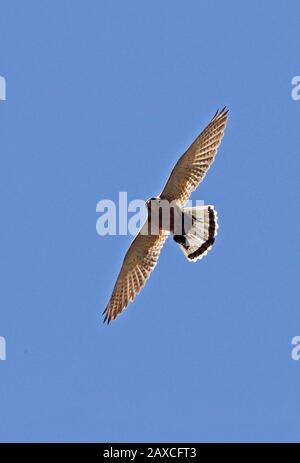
138,263
194,163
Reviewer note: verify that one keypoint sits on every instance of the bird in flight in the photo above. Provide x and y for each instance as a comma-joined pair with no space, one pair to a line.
193,228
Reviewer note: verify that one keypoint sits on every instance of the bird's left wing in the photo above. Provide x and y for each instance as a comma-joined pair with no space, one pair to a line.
194,163
138,263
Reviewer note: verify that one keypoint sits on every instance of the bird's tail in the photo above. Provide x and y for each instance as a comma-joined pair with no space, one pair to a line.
200,236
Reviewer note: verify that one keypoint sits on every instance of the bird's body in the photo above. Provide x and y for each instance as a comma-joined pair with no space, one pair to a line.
163,215
193,228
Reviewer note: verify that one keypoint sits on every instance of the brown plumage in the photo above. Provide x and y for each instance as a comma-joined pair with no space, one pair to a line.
191,168
144,250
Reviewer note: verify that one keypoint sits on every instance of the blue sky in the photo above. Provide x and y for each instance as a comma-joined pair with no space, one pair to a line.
104,97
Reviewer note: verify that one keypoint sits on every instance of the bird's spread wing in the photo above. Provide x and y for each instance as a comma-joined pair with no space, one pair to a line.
194,163
138,263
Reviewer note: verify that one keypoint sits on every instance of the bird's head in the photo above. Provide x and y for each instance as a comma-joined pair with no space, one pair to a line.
152,202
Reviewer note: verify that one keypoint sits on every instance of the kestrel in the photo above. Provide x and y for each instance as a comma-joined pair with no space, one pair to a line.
198,225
